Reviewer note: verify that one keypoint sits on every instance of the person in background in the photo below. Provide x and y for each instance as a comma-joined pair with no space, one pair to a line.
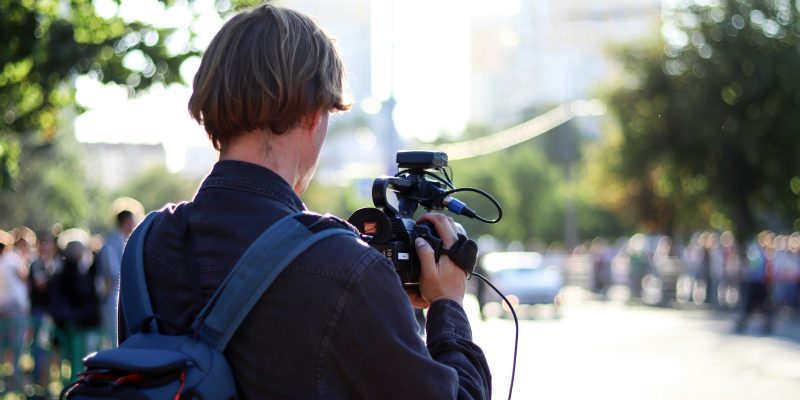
757,275
108,271
14,305
601,255
46,264
786,273
73,303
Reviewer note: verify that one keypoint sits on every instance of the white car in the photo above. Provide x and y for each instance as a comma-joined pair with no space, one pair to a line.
522,277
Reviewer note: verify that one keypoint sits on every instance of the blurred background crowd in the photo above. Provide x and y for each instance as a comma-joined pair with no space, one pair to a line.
712,268
58,288
58,300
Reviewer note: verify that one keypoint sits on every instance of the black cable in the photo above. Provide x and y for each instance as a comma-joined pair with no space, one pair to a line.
449,176
516,330
425,173
446,180
484,194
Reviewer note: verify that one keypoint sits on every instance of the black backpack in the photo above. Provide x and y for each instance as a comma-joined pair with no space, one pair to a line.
149,365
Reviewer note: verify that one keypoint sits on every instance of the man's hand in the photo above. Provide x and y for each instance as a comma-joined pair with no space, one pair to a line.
445,280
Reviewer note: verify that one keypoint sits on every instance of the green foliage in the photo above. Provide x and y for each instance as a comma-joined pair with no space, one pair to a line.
528,185
240,4
525,185
325,199
49,188
708,121
157,187
46,45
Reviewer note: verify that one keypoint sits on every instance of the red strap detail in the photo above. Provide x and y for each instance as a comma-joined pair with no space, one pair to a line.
180,389
130,378
92,375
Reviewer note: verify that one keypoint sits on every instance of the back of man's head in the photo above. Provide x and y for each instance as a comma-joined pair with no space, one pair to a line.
125,221
267,68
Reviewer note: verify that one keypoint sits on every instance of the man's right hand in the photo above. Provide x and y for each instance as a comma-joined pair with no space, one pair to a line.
444,280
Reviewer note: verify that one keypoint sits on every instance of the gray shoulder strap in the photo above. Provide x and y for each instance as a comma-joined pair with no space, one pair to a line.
134,298
258,267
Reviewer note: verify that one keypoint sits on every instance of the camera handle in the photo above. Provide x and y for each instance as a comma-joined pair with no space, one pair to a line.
464,253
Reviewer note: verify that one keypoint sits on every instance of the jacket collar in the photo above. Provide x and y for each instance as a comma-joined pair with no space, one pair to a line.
245,176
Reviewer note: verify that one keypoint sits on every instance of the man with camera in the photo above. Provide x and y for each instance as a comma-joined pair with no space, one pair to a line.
337,322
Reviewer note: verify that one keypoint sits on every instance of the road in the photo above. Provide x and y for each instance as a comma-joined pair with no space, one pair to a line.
612,350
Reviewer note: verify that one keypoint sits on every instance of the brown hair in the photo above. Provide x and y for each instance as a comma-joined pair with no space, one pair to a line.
267,68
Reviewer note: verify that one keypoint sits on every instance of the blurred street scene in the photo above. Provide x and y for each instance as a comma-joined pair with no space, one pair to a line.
645,154
608,349
631,321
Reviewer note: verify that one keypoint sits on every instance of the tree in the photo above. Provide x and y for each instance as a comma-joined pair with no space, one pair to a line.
49,188
525,184
47,45
708,121
156,187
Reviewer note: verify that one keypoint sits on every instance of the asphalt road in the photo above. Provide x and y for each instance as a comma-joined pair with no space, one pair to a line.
613,350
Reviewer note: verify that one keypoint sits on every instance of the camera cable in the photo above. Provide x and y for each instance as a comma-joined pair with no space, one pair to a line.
516,329
460,208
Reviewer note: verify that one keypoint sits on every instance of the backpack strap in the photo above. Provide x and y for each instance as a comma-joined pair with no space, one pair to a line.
258,267
135,300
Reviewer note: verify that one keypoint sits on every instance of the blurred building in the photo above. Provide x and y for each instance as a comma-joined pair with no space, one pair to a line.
352,148
349,21
550,52
199,161
522,54
113,164
530,55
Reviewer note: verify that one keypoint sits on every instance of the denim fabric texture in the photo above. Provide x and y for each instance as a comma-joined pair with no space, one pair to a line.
336,324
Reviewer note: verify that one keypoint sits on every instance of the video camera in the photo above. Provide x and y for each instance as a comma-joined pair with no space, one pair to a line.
390,227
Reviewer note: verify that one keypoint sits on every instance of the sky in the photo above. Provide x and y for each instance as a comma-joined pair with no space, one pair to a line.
431,73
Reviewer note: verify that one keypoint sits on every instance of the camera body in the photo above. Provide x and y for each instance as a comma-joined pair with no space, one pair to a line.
390,227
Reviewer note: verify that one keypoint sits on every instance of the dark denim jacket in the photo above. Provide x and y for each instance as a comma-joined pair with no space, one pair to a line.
336,324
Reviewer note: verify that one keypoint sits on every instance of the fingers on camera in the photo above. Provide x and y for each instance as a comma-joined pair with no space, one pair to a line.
422,246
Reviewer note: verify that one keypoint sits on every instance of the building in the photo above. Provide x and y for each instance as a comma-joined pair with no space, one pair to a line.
550,52
111,165
532,55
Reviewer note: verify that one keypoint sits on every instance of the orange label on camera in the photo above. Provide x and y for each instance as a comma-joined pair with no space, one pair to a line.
370,228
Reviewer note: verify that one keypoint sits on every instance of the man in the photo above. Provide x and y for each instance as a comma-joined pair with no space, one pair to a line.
14,303
109,262
756,286
48,262
336,324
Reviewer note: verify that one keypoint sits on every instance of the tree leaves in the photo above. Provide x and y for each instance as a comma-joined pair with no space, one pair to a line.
709,126
49,44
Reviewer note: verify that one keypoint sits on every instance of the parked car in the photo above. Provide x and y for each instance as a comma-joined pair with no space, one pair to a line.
523,277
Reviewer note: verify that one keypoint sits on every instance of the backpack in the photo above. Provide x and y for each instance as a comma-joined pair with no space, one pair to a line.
149,365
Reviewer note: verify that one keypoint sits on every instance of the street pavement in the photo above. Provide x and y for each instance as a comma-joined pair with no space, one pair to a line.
614,350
